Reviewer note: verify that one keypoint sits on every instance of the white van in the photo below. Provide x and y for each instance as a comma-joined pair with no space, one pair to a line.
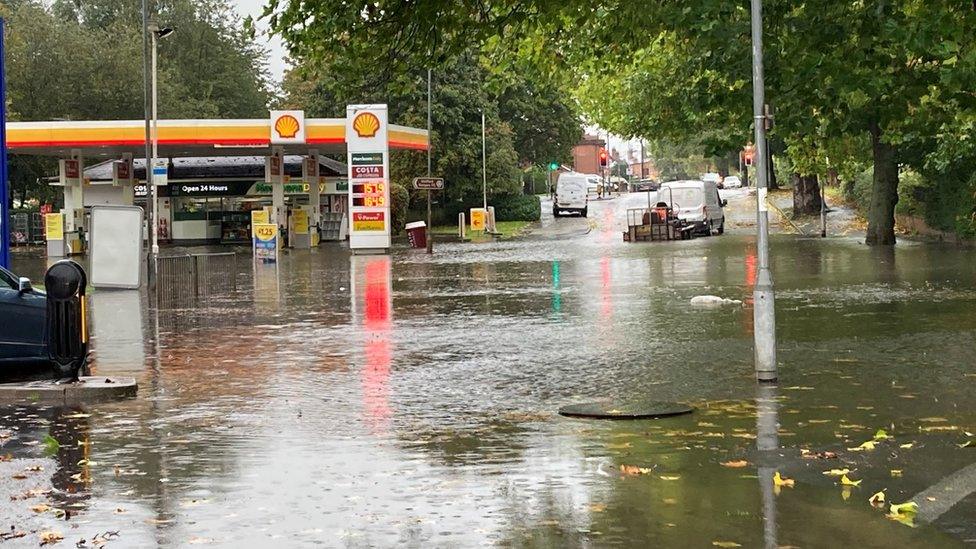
696,202
571,194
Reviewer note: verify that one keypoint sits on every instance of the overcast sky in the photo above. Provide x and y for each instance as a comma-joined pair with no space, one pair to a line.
276,50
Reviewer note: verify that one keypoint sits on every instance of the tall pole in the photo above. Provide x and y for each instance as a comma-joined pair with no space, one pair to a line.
155,139
430,227
150,188
484,164
4,187
764,315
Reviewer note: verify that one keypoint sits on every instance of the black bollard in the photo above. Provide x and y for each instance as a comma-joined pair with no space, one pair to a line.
67,321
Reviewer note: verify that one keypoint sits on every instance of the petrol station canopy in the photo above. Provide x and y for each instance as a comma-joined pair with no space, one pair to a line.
112,138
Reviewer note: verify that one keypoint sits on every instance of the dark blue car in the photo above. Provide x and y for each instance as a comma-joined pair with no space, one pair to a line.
23,320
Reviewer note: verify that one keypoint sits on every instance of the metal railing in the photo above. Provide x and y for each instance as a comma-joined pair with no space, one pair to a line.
187,280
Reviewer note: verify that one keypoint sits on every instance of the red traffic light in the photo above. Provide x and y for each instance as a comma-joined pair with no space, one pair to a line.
603,158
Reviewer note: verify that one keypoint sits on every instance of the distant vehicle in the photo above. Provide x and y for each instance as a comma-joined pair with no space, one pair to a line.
571,194
731,182
23,321
593,184
712,177
696,202
645,185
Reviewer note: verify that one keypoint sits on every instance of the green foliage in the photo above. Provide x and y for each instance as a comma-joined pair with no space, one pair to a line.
517,208
83,61
399,202
51,445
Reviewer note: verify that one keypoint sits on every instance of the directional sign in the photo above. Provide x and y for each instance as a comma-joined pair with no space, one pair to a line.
428,183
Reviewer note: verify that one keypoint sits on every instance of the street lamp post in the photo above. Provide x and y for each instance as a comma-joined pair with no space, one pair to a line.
764,316
157,33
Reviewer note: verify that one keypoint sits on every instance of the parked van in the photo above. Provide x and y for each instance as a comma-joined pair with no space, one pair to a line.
570,194
696,202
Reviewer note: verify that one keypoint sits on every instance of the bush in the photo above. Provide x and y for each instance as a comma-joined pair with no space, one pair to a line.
399,200
507,208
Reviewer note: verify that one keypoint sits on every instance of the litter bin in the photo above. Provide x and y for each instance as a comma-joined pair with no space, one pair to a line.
67,321
417,233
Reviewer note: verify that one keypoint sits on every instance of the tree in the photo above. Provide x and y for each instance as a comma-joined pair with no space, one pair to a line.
835,70
83,61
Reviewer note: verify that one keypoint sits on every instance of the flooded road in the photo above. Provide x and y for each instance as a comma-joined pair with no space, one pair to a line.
374,401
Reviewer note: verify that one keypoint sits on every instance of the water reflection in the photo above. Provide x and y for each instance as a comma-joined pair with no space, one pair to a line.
372,306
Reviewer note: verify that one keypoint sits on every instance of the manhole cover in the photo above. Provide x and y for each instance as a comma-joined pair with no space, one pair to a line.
626,410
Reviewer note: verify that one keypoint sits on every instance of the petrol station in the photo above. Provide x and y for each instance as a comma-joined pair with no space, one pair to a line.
209,174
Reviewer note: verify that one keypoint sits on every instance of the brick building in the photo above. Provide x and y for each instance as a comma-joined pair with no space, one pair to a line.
586,154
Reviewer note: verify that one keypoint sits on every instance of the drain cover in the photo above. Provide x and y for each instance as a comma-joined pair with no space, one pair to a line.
626,410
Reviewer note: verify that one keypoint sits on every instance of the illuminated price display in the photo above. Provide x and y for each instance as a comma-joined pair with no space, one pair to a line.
369,195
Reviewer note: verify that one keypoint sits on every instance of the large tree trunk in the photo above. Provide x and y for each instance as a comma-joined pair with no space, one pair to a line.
771,182
884,192
806,195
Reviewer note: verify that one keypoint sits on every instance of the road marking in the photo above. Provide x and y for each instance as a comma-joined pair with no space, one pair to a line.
947,493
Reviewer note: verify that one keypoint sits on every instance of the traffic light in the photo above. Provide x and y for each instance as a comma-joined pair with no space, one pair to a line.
554,166
603,158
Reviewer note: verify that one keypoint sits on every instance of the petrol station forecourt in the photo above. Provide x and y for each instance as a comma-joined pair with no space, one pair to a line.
283,140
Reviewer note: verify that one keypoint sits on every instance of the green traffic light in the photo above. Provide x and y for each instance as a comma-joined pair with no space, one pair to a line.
553,165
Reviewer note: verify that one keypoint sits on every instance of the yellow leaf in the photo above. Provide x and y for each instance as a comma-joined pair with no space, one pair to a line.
726,544
967,444
779,480
836,472
670,477
907,508
598,507
881,435
907,520
845,493
869,445
877,499
735,464
906,446
896,472
848,482
41,508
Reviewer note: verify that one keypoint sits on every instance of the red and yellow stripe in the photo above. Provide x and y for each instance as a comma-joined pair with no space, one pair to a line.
71,134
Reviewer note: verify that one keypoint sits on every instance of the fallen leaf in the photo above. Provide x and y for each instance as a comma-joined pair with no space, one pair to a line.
907,508
967,444
669,501
779,480
934,419
77,416
726,544
670,477
906,446
18,476
34,469
906,519
869,445
597,507
735,464
12,534
930,428
41,508
881,434
896,472
50,536
634,470
836,472
845,493
848,482
877,500
929,498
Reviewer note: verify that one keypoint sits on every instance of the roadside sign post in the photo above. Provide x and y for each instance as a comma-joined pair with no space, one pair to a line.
4,188
429,184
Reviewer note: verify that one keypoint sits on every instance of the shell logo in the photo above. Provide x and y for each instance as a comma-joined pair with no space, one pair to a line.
366,124
287,126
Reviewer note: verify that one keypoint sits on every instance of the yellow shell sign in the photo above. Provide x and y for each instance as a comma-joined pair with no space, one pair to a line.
287,126
366,124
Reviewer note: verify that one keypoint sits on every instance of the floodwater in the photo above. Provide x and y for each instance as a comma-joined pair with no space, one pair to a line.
377,401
